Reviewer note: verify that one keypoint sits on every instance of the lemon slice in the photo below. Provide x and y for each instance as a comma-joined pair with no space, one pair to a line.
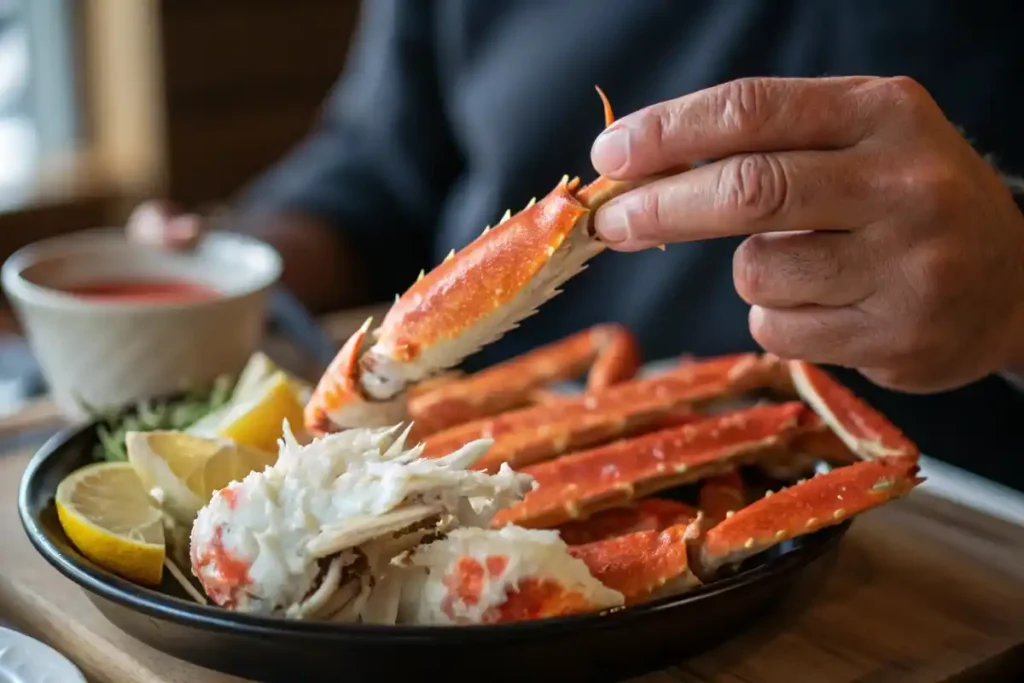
107,515
182,471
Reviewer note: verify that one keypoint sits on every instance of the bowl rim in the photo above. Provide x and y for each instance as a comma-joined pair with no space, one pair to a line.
24,291
154,603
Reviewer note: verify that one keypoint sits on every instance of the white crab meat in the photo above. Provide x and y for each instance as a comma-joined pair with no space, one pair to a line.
469,576
309,536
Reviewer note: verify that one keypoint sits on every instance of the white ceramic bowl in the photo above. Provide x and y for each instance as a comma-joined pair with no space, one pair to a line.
110,353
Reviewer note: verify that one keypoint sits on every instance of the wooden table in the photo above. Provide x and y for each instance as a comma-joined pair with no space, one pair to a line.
927,589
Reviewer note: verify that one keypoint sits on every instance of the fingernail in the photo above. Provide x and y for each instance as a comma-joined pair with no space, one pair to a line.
610,151
612,222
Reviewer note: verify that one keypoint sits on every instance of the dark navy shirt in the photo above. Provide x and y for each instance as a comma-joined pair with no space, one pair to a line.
451,111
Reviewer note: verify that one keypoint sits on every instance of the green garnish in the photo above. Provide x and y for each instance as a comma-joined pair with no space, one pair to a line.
147,416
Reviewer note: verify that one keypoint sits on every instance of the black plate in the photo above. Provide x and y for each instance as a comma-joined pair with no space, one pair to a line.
606,647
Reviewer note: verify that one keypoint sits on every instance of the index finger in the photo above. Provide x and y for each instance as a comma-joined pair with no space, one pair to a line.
746,115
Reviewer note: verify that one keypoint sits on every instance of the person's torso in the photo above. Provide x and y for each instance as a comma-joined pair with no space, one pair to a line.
518,83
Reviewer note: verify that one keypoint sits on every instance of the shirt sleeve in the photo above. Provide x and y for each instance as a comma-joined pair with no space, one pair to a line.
381,159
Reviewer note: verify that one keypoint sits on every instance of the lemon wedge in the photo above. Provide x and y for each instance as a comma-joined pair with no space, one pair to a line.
106,513
181,471
264,397
258,370
258,421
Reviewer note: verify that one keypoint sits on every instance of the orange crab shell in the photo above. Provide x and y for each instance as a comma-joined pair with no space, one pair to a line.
640,564
577,485
337,385
824,500
481,279
647,514
529,435
610,351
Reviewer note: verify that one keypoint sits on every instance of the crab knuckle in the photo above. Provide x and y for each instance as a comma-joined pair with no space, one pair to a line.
755,185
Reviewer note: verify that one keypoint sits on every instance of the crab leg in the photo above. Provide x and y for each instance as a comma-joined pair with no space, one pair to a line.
864,431
822,501
537,433
610,351
721,496
578,485
470,300
649,514
889,469
644,565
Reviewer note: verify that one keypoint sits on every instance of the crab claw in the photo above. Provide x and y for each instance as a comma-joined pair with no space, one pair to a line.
339,401
469,301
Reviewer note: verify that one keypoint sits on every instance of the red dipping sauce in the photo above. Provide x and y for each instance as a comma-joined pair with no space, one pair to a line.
143,291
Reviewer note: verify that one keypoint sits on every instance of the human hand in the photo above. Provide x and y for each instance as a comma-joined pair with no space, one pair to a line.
156,222
903,251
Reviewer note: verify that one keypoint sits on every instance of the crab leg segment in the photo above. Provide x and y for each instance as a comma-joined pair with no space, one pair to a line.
531,435
863,430
479,294
649,514
642,565
822,501
722,495
578,485
610,351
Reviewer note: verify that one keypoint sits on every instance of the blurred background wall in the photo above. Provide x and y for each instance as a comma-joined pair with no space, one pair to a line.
105,102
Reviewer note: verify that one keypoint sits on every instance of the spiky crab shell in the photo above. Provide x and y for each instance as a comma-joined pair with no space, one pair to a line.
822,501
529,435
642,565
610,351
577,485
482,292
